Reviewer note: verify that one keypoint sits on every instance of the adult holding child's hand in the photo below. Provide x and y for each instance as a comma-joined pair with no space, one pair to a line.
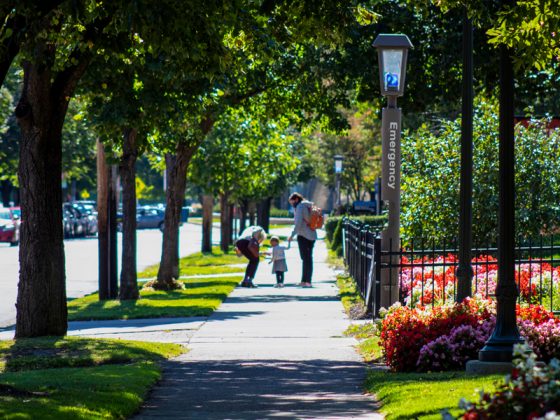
306,236
248,244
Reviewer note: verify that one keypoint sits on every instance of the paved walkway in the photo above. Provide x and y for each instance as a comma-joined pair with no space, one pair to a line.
267,353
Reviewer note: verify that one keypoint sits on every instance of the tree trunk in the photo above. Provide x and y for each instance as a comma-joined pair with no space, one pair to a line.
251,214
225,233
6,188
243,209
263,213
207,207
106,227
41,301
42,107
231,223
129,284
176,173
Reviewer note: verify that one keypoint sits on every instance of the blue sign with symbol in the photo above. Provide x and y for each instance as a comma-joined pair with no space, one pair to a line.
391,80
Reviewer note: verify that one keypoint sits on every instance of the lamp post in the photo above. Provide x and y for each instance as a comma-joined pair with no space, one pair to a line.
499,347
338,159
464,271
497,353
392,52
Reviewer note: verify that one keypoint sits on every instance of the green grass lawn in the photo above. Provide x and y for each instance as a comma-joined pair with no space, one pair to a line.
425,395
215,262
77,378
200,297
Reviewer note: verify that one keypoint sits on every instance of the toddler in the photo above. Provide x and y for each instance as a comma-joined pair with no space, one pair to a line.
278,260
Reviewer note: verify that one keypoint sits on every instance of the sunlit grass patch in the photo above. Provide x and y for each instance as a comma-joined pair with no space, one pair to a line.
425,395
200,297
214,262
77,378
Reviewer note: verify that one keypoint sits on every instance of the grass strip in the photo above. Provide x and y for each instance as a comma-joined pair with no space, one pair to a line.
40,378
200,297
425,395
368,345
349,296
57,352
214,262
370,350
334,260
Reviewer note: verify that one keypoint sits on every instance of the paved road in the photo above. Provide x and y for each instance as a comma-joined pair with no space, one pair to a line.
81,264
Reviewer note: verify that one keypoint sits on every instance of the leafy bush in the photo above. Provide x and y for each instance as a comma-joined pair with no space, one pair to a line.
431,169
330,226
336,244
335,222
375,223
274,212
532,391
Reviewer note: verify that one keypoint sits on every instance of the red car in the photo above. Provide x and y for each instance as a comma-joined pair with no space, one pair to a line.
10,219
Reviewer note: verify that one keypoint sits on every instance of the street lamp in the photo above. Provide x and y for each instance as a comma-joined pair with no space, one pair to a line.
392,52
338,159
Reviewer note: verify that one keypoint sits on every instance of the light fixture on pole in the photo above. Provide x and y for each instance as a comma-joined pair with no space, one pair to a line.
392,52
338,159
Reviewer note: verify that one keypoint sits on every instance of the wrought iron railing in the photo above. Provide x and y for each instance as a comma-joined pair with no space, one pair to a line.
426,270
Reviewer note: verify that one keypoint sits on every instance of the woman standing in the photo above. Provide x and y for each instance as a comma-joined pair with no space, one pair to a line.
306,236
248,244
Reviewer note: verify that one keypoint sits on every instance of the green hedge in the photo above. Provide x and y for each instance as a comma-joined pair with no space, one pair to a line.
333,228
274,212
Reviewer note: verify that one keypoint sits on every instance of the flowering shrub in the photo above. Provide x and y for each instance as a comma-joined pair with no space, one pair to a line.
452,351
535,313
405,330
446,337
434,280
543,338
531,392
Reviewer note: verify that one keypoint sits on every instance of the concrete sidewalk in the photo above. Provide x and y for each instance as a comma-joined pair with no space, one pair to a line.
266,353
269,353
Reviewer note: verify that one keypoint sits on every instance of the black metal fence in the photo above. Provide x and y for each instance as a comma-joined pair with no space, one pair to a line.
426,270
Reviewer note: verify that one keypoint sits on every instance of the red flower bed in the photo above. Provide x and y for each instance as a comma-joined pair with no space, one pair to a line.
404,330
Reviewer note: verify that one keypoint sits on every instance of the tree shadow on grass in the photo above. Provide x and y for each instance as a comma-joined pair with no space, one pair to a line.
60,352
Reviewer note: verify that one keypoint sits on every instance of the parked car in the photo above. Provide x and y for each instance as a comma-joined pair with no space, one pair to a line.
72,226
88,213
147,217
10,220
76,224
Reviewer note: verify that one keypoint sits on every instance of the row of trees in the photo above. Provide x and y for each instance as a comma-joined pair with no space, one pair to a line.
152,77
172,76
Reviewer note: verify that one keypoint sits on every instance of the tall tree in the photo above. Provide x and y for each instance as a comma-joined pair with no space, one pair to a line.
56,56
54,63
246,159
